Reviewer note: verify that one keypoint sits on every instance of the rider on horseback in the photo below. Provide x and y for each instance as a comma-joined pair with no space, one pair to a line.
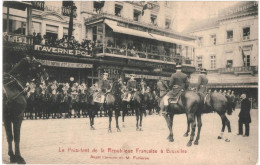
105,86
143,85
178,82
202,81
162,86
131,86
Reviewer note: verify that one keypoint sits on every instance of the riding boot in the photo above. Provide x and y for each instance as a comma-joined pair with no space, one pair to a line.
165,110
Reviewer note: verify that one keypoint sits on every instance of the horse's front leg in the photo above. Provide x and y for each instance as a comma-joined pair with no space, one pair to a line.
17,130
188,127
141,118
137,118
191,118
9,136
196,142
110,112
117,112
171,139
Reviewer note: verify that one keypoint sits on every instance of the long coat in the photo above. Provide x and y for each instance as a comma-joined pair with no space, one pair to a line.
178,82
244,115
202,82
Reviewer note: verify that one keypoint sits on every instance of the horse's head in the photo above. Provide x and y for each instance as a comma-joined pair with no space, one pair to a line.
37,71
116,88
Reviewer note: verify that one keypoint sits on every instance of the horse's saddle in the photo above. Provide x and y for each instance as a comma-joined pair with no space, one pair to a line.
204,96
174,100
127,97
98,98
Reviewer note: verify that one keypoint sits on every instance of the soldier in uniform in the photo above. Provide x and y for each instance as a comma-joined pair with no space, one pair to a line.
143,85
202,81
178,82
131,86
104,87
162,87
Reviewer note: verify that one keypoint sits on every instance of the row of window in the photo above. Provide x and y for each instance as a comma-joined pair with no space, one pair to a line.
19,27
229,37
136,15
229,63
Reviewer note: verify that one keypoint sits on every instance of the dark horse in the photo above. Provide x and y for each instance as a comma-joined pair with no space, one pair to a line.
219,103
189,103
14,101
112,102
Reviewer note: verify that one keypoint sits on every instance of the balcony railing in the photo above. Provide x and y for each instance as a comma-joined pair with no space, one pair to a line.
125,53
239,70
18,38
246,38
40,5
66,12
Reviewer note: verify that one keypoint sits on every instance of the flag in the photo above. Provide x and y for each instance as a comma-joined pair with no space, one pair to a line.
144,7
243,56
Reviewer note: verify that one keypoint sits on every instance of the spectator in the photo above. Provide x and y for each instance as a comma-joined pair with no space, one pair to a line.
244,116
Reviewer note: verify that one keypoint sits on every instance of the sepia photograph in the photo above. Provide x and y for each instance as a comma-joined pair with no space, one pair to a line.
130,82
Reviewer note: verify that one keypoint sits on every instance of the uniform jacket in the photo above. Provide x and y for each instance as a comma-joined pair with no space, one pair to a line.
131,84
202,82
104,85
244,115
180,79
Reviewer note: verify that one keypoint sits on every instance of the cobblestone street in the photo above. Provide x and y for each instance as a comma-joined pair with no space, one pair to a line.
42,141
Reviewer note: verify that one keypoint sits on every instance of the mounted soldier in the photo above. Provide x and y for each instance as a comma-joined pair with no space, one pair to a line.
163,87
202,81
178,83
104,87
143,86
131,87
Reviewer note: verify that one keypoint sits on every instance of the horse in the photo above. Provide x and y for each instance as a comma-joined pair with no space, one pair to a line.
219,103
14,101
148,102
83,102
189,103
112,102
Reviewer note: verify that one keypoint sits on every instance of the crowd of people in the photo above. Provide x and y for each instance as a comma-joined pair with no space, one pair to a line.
65,42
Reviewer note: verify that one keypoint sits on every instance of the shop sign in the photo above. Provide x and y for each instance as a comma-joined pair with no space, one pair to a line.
55,50
149,64
65,64
148,77
112,73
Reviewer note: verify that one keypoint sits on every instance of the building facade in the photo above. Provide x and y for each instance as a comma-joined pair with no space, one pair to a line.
115,37
227,46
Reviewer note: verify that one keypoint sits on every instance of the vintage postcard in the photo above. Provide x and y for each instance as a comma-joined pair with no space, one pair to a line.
130,82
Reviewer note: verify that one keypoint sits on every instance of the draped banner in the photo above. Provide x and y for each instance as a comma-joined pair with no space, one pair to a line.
65,64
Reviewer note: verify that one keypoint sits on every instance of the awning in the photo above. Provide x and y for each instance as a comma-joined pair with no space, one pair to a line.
172,40
123,30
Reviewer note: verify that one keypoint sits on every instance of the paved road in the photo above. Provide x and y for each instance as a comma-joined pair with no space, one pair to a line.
43,141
